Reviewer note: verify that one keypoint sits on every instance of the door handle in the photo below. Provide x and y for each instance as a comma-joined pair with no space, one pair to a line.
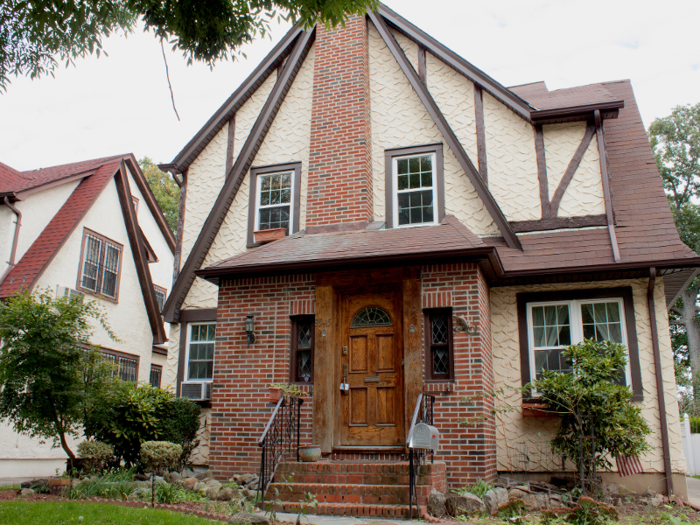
344,387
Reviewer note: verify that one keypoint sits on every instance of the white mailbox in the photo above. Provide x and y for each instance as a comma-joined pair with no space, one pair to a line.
424,437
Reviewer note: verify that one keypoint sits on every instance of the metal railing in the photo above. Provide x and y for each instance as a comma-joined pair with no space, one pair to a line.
280,439
423,413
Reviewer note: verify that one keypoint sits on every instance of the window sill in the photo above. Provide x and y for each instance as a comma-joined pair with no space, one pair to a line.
538,410
107,298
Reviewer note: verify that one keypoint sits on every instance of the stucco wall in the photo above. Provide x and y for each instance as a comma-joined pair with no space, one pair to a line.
584,196
512,162
517,434
399,119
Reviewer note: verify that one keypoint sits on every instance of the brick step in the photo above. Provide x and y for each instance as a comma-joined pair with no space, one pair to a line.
354,509
340,472
347,493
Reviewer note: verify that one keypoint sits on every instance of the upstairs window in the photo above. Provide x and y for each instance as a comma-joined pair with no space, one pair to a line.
414,186
127,365
156,375
161,293
274,199
100,266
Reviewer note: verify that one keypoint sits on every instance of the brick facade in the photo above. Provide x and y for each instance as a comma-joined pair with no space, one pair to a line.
469,451
340,171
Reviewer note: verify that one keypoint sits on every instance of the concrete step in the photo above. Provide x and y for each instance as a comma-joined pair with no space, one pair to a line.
354,509
363,473
346,493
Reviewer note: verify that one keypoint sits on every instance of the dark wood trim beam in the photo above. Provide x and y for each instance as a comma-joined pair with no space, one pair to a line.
559,223
660,394
235,177
571,170
548,114
452,59
603,154
447,133
480,132
542,173
421,63
180,226
139,254
230,143
197,315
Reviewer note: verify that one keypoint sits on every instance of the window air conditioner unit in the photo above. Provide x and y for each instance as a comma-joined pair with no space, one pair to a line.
64,291
196,391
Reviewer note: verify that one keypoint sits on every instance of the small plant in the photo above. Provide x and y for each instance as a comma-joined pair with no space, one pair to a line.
479,489
168,493
590,512
309,501
513,511
271,506
675,520
158,456
95,455
289,390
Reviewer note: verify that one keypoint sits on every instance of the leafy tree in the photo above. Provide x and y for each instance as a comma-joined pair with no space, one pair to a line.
166,192
34,34
49,373
591,403
676,143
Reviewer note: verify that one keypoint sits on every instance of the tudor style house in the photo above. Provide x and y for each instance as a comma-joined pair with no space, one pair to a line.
441,234
90,228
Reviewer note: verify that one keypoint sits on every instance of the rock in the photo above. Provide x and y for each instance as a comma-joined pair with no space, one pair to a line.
27,492
236,479
501,495
243,478
436,504
491,501
226,494
532,500
654,502
200,485
611,489
188,473
648,493
211,493
247,493
243,518
516,493
174,477
36,484
467,503
140,477
190,483
212,483
205,475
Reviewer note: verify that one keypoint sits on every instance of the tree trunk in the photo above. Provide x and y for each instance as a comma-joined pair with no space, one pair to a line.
691,327
64,444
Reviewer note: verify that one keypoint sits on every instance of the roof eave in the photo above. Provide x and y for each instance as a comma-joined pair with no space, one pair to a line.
609,109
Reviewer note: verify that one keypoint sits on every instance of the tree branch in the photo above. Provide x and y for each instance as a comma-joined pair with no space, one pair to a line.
167,74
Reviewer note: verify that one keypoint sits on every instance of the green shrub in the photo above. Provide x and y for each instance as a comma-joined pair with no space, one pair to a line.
95,455
157,456
695,425
179,423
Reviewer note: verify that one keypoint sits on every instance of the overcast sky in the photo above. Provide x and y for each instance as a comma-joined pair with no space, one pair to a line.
120,103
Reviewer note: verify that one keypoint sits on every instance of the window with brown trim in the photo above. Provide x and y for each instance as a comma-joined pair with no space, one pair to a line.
156,375
275,197
415,188
439,355
100,265
161,295
127,365
302,350
548,322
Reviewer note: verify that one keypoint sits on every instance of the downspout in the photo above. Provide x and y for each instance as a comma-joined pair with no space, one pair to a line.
659,382
15,240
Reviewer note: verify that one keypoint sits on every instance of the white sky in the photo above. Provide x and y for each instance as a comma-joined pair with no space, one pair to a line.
121,103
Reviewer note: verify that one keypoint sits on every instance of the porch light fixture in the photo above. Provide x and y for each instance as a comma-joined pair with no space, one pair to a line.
250,328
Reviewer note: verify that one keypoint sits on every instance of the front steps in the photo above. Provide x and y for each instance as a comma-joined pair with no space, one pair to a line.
354,488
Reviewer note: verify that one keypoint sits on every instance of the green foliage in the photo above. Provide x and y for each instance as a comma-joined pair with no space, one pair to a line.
131,414
676,520
289,389
49,373
95,454
480,488
115,484
170,493
158,456
164,189
588,401
695,425
34,34
590,512
513,511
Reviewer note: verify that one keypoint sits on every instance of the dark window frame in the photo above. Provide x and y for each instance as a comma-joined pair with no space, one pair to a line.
117,358
624,293
295,320
98,293
188,316
295,205
188,345
390,154
158,369
430,376
164,291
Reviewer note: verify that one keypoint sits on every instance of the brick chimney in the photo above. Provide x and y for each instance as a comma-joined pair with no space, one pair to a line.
340,168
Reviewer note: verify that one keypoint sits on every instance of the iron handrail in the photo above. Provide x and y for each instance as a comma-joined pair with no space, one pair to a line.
423,413
279,439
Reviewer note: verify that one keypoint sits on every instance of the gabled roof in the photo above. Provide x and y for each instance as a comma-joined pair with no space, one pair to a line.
97,174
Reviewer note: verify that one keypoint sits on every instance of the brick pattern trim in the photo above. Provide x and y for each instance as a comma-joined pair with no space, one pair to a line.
302,307
340,171
437,300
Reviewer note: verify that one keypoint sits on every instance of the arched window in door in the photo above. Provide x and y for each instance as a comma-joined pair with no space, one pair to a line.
370,317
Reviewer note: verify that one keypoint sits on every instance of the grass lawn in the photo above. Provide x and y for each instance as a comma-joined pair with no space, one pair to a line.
9,487
78,513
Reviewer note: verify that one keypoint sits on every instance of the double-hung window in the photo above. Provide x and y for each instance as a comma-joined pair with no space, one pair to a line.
200,352
274,198
414,186
100,265
126,365
550,321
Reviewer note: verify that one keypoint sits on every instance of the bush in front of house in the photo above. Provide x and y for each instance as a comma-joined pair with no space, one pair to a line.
95,455
159,456
129,415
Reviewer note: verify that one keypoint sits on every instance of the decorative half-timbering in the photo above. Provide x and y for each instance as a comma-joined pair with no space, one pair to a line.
434,224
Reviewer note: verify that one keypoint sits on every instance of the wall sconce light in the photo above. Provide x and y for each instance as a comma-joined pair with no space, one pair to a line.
463,325
250,328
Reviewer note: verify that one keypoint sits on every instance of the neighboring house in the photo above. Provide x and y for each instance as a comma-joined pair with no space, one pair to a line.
446,235
91,228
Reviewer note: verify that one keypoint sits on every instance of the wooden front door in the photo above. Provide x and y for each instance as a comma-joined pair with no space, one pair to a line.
371,365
